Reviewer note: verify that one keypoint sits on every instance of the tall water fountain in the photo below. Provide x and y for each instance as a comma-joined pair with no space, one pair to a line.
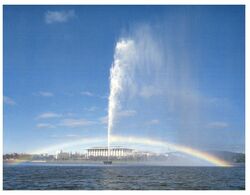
142,71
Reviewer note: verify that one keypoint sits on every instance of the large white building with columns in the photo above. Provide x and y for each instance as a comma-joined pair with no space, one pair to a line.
113,152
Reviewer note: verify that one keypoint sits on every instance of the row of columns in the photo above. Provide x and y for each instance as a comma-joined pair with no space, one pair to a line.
104,152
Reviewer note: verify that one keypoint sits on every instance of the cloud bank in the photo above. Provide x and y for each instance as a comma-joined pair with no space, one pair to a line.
73,123
44,94
48,115
59,16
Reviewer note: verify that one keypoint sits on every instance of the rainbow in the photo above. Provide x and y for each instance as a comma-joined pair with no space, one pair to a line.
66,145
184,149
15,161
138,140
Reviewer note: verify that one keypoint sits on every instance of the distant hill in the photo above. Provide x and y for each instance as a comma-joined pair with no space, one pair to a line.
232,157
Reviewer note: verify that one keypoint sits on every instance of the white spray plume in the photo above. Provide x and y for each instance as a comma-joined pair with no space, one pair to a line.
133,72
151,78
124,52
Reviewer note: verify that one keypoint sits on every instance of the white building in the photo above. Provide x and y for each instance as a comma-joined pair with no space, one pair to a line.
62,155
112,152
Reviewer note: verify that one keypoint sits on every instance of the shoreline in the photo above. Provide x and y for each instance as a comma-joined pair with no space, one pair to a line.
114,163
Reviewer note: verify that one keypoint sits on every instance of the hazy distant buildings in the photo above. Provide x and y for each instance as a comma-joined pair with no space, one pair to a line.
62,155
69,156
91,154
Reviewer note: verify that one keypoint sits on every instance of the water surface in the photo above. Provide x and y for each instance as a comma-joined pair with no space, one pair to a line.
117,177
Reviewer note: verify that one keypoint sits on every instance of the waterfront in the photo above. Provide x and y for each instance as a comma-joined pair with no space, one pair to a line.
121,177
159,90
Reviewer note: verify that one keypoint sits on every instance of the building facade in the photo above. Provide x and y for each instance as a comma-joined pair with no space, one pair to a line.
112,152
63,155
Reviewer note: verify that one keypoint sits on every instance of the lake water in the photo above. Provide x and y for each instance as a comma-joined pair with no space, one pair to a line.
117,177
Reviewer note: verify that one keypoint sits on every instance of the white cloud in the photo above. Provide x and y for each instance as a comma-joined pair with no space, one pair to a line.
153,122
44,94
90,94
49,115
126,113
75,122
45,125
70,114
91,109
59,16
9,101
218,125
67,136
87,93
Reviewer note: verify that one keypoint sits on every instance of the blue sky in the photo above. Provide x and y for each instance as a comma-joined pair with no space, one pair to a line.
56,74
